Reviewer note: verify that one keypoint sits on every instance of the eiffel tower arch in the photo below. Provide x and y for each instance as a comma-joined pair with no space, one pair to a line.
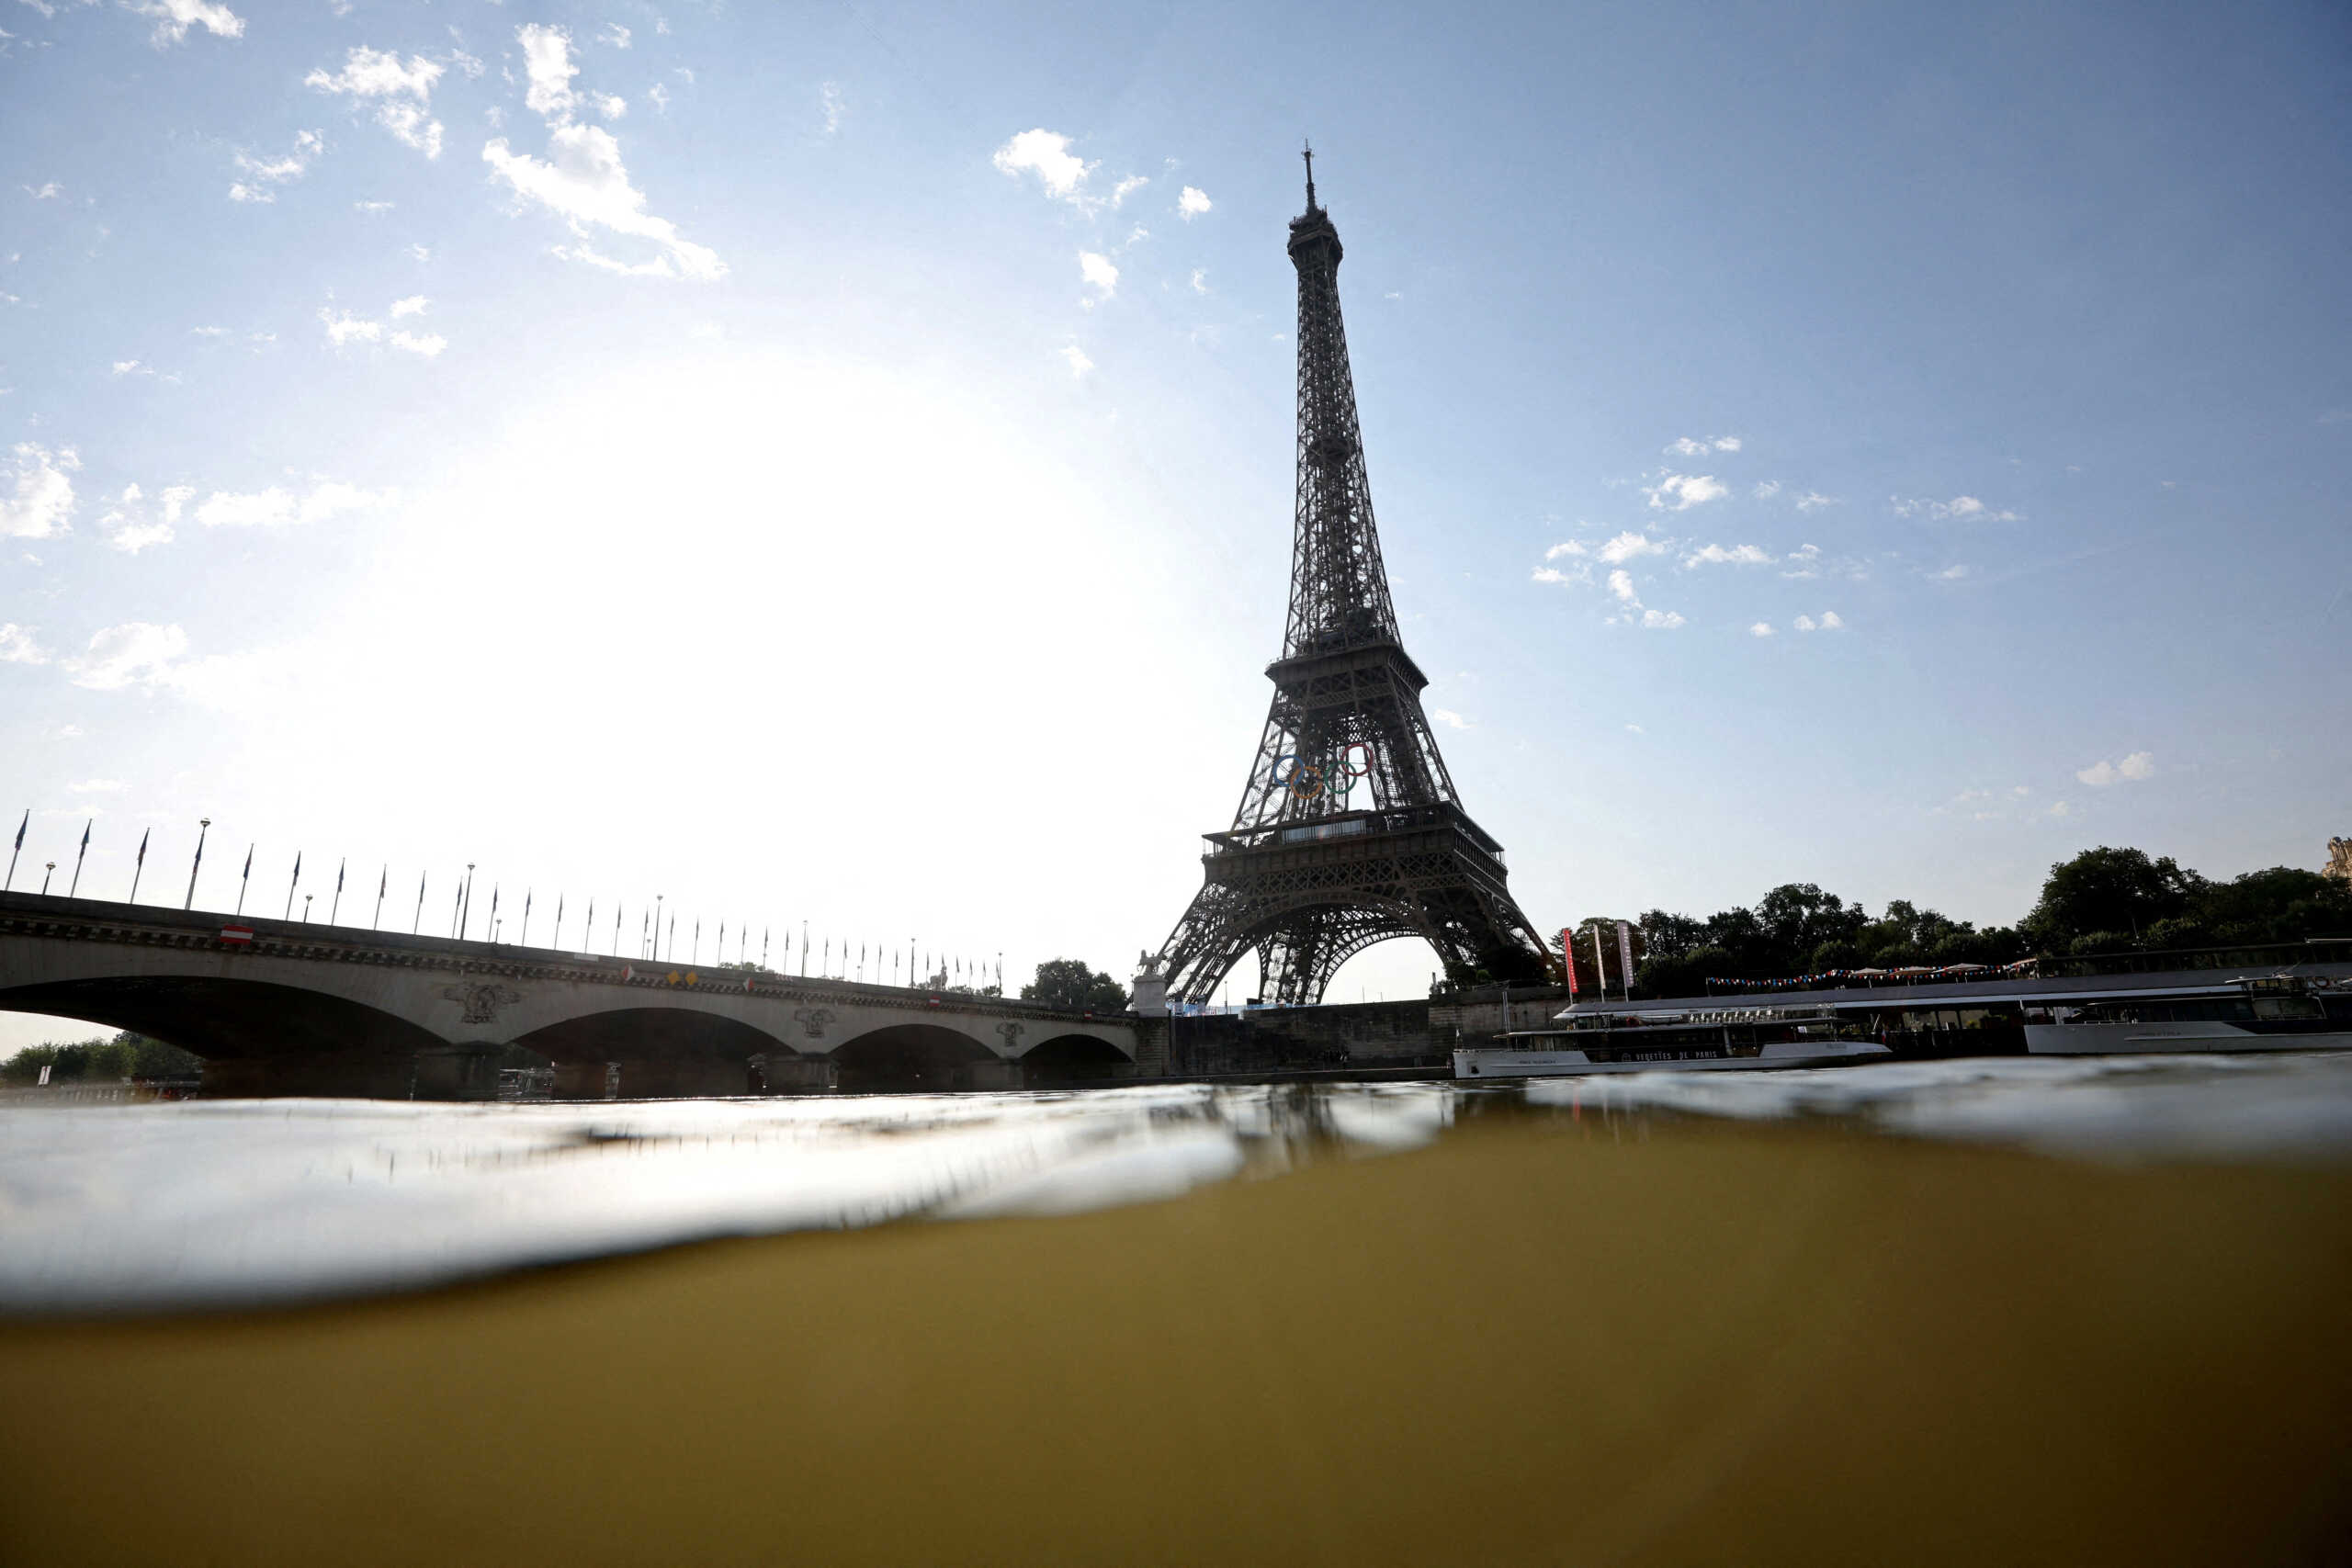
1350,831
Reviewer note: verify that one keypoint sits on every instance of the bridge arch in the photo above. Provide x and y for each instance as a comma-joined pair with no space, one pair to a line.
1064,1060
910,1057
651,1033
227,1017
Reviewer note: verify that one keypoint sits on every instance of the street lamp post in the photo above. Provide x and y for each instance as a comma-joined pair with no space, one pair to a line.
44,877
203,825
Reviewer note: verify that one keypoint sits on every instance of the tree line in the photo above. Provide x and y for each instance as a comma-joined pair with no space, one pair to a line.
126,1055
2102,900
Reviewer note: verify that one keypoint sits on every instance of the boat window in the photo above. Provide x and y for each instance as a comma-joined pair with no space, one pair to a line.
2287,1006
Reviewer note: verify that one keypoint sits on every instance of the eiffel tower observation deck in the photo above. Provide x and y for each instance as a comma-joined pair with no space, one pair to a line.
1350,831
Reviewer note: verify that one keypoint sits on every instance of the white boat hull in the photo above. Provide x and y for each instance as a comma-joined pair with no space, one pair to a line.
2154,1038
1500,1062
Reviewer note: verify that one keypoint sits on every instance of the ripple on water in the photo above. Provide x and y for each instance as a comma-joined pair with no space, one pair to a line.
242,1203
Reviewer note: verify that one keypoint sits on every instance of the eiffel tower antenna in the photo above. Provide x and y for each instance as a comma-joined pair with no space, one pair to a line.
1349,831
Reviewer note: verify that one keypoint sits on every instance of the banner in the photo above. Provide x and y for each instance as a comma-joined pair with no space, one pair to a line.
1625,955
1569,958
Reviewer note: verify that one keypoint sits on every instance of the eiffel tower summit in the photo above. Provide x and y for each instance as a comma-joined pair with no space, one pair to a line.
1350,831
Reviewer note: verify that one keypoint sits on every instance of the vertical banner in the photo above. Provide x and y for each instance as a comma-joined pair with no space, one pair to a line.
1568,957
1625,958
1601,962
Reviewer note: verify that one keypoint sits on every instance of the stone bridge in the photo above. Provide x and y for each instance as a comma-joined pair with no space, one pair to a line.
278,1007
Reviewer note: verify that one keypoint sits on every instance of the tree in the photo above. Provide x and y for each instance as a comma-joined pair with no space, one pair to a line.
126,1055
2108,890
1068,983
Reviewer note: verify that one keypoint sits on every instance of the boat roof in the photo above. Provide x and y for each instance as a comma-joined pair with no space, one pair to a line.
1961,993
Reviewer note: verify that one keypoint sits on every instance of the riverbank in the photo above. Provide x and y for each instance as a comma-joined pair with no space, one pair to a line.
1558,1342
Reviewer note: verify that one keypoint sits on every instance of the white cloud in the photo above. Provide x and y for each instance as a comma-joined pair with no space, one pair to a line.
1635,729
48,191
583,182
426,344
1200,280
1046,154
371,206
418,253
2101,773
43,496
1566,547
1661,620
127,367
1554,574
96,787
1628,546
401,94
275,507
660,95
266,173
1685,446
1814,500
131,528
1803,622
1098,271
1829,622
1961,508
1191,201
1737,555
135,653
1951,574
1680,492
1620,583
343,327
1449,718
2062,808
174,18
1766,489
1127,187
412,306
1076,358
835,108
610,106
547,62
1761,628
16,646
614,34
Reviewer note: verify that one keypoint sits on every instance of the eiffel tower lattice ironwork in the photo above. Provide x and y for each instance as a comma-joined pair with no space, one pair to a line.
1311,872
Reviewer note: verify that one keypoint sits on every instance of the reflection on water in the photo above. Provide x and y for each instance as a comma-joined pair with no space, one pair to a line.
216,1203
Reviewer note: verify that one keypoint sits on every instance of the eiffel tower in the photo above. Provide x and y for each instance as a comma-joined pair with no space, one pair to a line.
1311,872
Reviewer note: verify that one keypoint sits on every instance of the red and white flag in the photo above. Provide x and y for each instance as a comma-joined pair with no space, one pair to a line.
242,935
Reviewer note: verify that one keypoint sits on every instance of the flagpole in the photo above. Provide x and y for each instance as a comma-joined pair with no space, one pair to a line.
616,931
292,883
383,880
245,877
418,924
558,922
79,856
141,867
466,905
526,939
670,943
203,825
335,905
17,851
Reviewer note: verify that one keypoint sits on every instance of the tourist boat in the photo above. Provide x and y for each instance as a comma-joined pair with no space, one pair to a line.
2251,1013
1700,1040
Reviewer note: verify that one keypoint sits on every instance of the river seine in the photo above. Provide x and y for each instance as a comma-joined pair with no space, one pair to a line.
2078,1310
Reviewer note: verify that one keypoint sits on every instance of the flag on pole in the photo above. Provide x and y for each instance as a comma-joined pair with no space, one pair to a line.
1568,957
1601,962
78,857
142,847
1625,957
139,866
20,827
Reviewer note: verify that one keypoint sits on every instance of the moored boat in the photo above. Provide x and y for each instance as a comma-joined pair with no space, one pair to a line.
2248,1013
1699,1039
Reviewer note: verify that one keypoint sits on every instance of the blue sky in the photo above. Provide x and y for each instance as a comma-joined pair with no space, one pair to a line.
835,465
